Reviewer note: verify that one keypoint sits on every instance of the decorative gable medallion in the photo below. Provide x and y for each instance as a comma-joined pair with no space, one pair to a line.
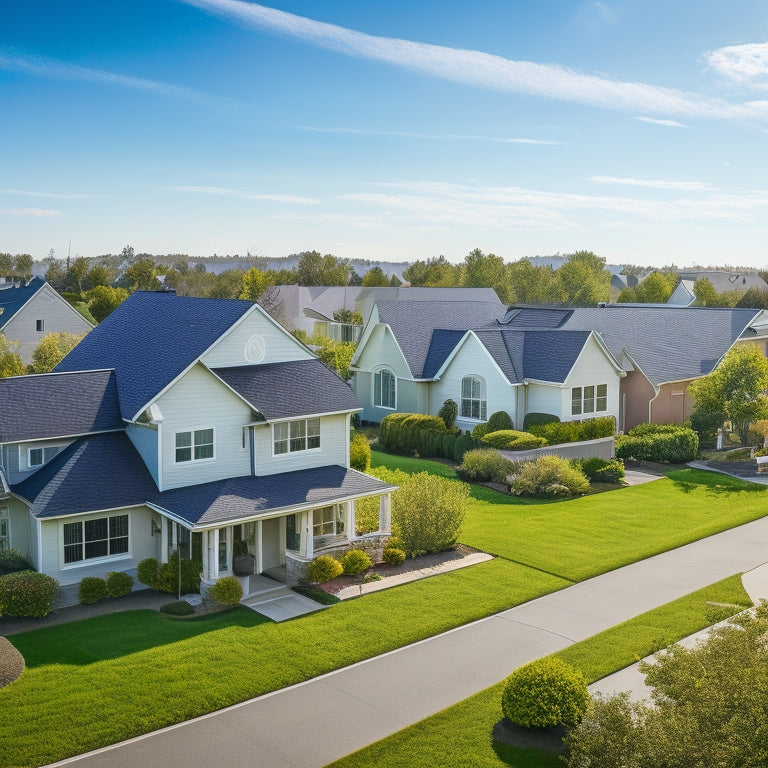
255,349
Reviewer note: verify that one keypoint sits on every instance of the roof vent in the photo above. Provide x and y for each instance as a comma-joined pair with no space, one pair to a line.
602,304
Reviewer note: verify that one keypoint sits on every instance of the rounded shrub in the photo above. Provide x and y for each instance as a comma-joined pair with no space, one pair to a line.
603,470
146,571
226,590
12,561
324,568
486,465
393,556
549,477
177,608
119,584
92,589
543,693
355,561
496,421
168,576
513,440
27,593
360,453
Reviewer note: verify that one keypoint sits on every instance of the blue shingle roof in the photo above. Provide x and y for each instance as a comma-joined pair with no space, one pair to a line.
289,389
150,339
13,299
58,405
668,343
440,347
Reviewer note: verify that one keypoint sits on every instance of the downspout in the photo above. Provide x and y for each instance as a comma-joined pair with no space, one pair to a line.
159,454
252,449
650,403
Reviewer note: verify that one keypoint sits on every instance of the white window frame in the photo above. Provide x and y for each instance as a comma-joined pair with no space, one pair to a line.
297,435
379,392
475,398
82,543
587,400
195,443
30,463
331,522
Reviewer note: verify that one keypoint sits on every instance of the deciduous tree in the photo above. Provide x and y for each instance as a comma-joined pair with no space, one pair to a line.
51,350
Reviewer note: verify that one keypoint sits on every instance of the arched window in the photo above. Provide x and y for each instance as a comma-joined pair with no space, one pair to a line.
384,389
473,404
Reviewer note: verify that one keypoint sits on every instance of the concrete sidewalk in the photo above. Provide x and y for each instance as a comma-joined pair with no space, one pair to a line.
314,723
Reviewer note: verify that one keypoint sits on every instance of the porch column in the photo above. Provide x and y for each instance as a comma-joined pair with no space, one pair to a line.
164,540
307,535
350,522
214,552
206,556
385,513
259,552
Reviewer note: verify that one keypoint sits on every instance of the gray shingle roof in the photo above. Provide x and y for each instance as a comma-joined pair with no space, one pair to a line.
288,389
14,298
58,405
413,323
668,343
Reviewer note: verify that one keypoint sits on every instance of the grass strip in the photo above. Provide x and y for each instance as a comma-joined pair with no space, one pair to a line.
461,735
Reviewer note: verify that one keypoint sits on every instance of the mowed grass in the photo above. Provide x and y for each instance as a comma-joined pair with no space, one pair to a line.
583,537
461,736
102,680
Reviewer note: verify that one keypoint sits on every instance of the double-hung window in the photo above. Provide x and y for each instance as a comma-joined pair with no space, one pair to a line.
592,399
298,435
473,404
384,389
328,521
194,445
102,537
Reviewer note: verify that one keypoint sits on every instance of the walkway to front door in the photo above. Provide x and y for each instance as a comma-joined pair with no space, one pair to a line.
274,600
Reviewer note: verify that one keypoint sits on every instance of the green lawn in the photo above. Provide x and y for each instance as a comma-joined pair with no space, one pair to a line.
461,735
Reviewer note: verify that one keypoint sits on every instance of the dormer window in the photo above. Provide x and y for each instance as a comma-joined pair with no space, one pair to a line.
35,457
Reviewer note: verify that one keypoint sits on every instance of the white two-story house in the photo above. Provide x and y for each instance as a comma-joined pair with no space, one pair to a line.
181,424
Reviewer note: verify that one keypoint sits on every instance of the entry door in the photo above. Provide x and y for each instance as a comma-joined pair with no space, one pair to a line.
272,548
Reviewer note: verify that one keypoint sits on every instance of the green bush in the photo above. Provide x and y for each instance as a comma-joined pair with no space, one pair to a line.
27,593
406,431
496,421
355,561
536,419
360,453
513,440
226,590
324,568
544,693
92,589
146,571
548,477
177,608
427,512
603,470
486,465
448,413
119,584
557,432
168,576
393,556
461,444
12,561
671,444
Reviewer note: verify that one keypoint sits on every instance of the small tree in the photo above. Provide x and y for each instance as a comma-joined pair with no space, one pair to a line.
360,453
104,299
448,413
10,360
51,350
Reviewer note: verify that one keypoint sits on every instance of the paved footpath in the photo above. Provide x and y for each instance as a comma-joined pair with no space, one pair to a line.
314,723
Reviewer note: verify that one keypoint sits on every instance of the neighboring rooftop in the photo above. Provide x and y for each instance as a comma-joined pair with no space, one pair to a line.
13,296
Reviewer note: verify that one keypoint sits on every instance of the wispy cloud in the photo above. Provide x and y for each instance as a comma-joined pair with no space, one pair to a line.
61,70
685,186
225,192
429,136
485,70
742,64
34,212
53,195
657,121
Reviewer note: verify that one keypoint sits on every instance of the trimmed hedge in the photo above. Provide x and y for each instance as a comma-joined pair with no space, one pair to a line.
425,435
119,584
669,444
537,419
557,432
27,593
168,576
513,440
91,590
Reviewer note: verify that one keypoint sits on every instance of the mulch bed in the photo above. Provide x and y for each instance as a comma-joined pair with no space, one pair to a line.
11,662
408,565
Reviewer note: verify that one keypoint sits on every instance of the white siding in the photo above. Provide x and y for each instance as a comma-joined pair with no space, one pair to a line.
472,359
543,398
592,367
141,545
58,316
279,345
18,454
334,439
144,439
381,349
22,529
200,401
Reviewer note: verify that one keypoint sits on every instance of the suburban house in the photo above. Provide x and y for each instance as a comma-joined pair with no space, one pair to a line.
630,361
32,309
182,424
722,282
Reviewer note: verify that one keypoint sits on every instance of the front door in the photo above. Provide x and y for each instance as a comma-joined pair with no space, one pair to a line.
272,547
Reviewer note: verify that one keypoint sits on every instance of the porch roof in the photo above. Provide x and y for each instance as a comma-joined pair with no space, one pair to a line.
240,498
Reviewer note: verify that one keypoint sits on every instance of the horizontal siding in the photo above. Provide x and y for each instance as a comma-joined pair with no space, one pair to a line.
592,367
141,542
334,438
22,529
381,350
144,439
17,457
200,401
543,398
279,345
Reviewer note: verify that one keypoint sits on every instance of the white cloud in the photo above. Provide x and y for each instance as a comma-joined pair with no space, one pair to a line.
54,195
485,70
61,70
35,212
225,192
656,121
687,186
742,64
430,137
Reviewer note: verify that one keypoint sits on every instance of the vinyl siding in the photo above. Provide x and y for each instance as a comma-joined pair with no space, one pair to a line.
17,457
544,398
279,345
592,367
144,439
334,439
22,529
141,545
201,401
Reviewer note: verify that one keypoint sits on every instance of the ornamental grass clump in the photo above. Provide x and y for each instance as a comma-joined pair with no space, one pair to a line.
544,693
549,477
486,465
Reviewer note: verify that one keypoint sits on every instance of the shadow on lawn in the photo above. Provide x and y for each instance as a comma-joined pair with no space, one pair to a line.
716,484
120,634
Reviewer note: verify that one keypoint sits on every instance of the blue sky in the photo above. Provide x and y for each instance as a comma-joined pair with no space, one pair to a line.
386,130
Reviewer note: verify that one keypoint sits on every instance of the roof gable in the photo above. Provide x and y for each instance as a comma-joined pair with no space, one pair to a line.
12,299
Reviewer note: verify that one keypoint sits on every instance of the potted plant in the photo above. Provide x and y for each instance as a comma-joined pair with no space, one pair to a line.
243,563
